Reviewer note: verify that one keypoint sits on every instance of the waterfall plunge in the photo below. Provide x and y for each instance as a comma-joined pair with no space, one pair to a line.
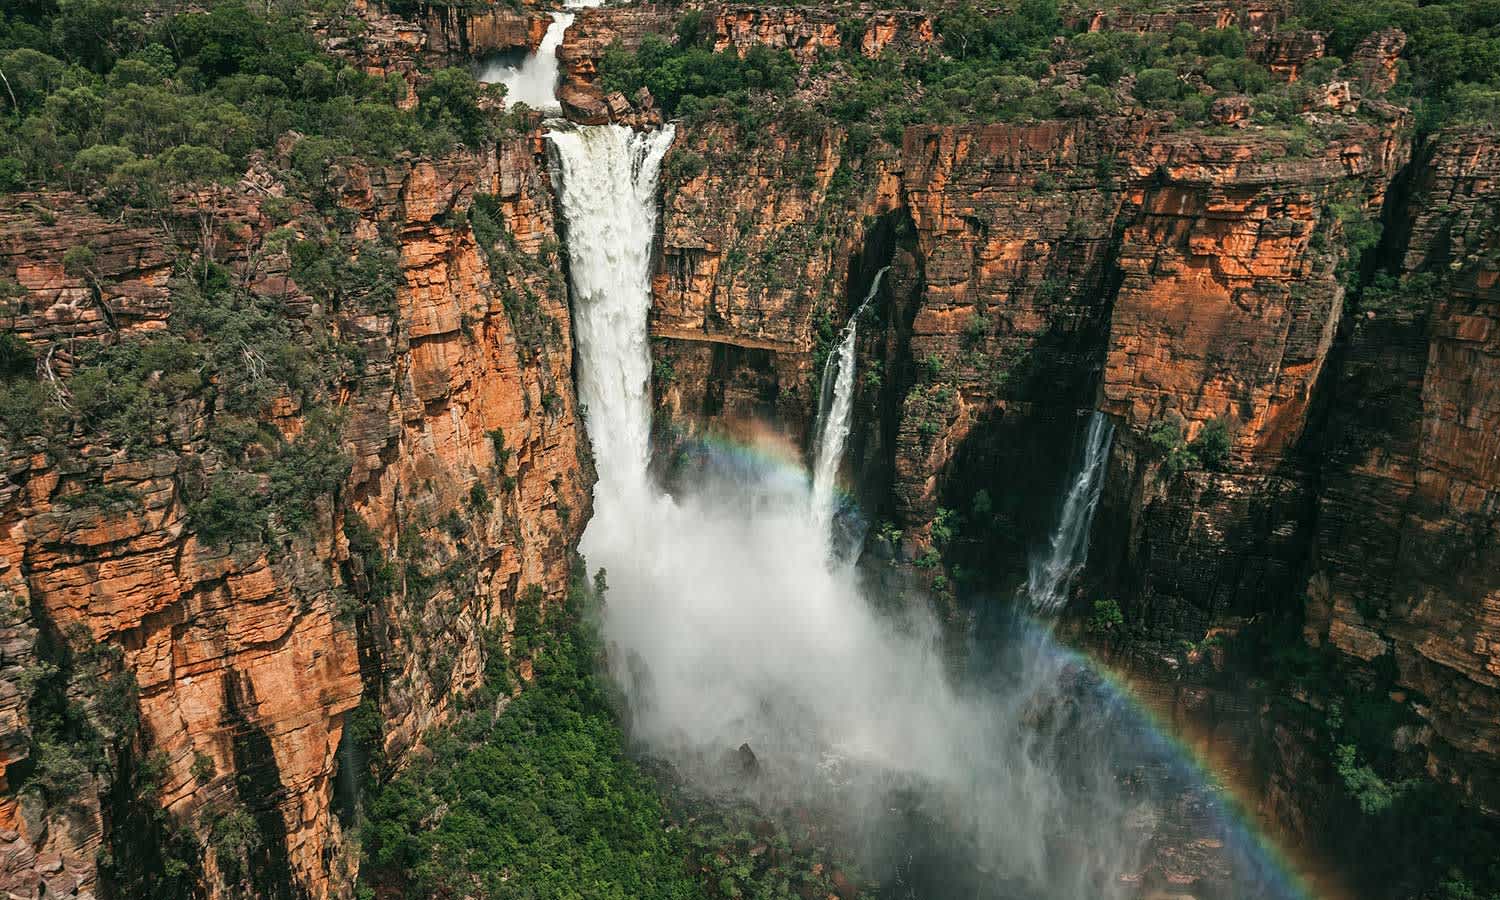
726,624
835,408
1048,579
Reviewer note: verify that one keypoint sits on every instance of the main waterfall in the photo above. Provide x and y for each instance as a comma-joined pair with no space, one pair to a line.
725,624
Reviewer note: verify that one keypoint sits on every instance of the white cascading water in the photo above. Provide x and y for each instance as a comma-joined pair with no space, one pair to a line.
726,624
1049,576
534,81
835,409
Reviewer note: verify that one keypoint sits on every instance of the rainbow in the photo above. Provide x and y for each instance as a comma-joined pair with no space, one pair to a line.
760,456
1277,870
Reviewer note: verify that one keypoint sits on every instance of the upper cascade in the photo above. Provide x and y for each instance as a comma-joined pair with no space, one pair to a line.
607,177
534,81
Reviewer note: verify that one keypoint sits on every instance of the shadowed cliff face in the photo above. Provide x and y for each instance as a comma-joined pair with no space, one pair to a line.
466,485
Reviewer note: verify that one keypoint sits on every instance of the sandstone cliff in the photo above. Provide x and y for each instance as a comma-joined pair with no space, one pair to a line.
465,470
1185,282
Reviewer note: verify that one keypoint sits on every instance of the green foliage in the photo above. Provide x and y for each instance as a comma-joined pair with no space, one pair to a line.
1408,297
235,838
1106,617
1209,450
527,631
1166,437
203,768
16,357
1157,87
1361,234
80,704
684,76
111,99
932,366
1211,446
230,510
1453,49
539,801
1373,793
945,526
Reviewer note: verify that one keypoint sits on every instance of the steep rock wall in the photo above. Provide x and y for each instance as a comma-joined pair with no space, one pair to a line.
248,657
756,244
1407,550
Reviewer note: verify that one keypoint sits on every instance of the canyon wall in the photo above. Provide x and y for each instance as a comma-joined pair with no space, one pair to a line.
1189,283
466,486
1407,548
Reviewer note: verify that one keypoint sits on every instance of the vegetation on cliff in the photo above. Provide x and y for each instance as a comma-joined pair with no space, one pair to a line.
1030,61
531,796
1453,50
101,97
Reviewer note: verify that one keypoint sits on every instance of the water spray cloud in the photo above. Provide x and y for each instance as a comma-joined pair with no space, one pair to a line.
729,622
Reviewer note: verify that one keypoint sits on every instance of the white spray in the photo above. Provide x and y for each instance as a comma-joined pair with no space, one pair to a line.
725,624
835,408
1049,576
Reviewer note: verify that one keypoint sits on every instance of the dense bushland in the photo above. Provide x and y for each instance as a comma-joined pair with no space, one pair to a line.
1453,50
100,96
530,796
1018,63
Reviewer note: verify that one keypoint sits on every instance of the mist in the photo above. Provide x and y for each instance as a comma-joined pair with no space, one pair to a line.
989,762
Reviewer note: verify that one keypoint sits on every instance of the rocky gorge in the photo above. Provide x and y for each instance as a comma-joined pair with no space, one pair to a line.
1297,339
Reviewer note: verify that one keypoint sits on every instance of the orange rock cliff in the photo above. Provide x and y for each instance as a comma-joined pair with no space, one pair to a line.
1173,279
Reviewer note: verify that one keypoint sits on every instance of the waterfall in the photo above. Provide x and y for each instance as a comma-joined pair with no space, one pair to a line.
726,624
534,81
607,176
835,404
1049,577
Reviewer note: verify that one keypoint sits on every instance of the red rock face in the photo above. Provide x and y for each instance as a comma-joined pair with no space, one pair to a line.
741,28
749,254
1229,300
1407,555
1202,278
243,648
1254,17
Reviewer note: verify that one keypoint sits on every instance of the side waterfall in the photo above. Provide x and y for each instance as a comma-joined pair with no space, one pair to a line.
1049,577
835,406
726,625
534,81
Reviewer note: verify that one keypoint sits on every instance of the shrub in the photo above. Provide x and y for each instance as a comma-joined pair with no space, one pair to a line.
1157,87
230,511
1211,446
1105,617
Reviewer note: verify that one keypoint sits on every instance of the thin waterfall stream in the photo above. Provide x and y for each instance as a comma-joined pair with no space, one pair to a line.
1049,576
835,411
